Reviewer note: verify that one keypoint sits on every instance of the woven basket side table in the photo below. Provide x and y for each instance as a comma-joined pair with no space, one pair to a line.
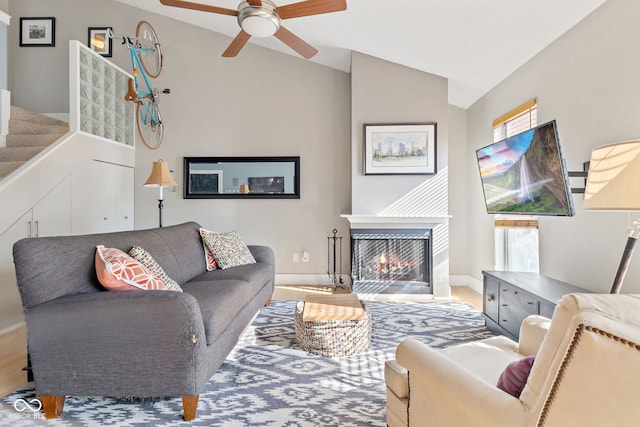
333,338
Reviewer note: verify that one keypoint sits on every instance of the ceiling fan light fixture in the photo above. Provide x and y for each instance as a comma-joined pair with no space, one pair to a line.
259,21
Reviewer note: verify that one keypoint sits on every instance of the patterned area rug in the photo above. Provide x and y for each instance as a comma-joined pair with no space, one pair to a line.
268,381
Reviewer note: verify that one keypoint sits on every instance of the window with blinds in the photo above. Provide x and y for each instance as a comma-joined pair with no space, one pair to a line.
516,121
516,236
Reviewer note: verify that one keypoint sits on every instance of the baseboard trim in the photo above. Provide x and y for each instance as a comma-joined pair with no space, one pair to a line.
305,279
324,280
465,280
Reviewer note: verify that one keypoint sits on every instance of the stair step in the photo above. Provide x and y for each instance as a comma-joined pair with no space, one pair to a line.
26,127
18,154
31,140
7,167
17,113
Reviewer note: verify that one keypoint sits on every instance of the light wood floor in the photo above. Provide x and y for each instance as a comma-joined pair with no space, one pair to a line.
13,342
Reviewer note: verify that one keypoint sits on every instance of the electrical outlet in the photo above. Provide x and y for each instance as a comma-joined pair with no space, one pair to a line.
296,257
305,256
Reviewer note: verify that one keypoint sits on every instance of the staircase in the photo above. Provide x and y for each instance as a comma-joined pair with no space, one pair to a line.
29,134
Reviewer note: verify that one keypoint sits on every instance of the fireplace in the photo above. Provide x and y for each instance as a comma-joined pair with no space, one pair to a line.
392,256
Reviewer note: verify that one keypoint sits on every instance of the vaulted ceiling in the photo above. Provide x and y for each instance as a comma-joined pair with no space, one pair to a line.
473,43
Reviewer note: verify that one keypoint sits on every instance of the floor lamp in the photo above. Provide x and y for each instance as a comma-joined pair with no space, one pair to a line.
160,177
613,184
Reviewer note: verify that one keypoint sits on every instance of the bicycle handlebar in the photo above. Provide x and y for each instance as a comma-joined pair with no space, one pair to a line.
128,40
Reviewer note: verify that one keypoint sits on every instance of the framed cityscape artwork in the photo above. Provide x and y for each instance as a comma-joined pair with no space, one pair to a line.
400,149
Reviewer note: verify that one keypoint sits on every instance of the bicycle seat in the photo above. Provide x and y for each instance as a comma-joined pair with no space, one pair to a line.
131,94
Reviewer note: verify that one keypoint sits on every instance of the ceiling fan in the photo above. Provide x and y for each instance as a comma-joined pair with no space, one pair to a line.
262,18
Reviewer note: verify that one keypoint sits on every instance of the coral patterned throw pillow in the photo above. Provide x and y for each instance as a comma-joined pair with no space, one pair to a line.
117,271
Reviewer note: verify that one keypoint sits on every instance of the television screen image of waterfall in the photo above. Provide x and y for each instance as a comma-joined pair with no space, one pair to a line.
526,174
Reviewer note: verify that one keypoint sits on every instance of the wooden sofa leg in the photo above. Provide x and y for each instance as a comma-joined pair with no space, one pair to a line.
189,405
52,405
268,303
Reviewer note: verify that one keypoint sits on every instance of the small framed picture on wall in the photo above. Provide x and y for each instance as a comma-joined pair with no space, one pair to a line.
99,40
38,32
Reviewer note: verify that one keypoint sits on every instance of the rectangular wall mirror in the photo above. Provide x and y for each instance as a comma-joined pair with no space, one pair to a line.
241,177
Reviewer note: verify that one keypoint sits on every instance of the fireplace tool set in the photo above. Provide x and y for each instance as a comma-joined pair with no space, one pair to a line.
334,256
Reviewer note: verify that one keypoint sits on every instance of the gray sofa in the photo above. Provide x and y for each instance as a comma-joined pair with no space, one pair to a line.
86,341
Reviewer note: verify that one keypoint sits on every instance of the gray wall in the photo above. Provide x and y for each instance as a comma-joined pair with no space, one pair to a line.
588,81
385,92
459,172
261,103
38,70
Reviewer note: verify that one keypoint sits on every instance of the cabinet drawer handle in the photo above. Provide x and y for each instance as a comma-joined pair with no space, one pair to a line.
37,230
491,297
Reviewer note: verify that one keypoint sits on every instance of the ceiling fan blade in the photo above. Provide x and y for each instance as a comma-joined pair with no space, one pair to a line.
199,6
238,43
296,43
255,2
310,7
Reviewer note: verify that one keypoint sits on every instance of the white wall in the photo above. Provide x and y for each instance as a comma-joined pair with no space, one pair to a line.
588,80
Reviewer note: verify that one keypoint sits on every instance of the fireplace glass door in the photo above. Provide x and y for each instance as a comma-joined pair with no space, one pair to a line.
396,256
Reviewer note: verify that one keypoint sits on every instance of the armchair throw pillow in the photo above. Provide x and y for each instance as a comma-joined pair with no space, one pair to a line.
228,249
145,258
514,377
117,271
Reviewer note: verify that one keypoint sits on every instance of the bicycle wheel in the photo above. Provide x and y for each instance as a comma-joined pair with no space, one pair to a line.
151,54
149,123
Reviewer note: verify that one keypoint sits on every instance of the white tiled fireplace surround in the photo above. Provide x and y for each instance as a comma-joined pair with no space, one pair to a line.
439,226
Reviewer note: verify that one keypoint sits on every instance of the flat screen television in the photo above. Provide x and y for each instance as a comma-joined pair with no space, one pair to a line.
526,174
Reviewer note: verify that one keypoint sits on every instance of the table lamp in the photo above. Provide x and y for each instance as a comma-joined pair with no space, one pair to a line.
160,177
613,184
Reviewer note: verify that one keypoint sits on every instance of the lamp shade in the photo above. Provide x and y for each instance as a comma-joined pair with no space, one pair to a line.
613,181
160,176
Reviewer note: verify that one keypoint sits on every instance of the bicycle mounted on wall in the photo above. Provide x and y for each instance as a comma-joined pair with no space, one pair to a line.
146,60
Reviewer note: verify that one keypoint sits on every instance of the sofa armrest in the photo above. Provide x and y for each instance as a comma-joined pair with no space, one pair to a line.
532,332
136,343
262,254
447,394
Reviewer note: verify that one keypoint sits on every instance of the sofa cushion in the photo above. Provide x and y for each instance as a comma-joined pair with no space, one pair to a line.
515,375
220,301
211,261
145,258
258,272
117,271
228,249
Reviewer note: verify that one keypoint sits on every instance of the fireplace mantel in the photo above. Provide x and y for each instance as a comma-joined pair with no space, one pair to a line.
375,221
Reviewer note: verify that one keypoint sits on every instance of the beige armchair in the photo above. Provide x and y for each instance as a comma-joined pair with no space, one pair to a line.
586,372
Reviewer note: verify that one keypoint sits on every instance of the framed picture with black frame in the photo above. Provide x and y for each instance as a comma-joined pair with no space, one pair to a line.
38,32
99,41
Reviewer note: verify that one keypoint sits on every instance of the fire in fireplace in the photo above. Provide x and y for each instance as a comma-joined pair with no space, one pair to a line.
395,255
